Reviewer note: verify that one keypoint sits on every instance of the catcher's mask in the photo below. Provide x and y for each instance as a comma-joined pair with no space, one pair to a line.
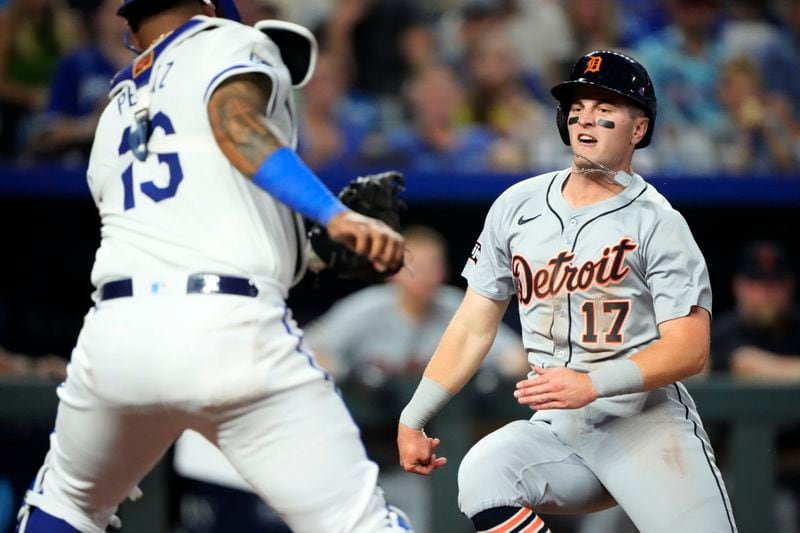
297,45
225,8
615,72
135,10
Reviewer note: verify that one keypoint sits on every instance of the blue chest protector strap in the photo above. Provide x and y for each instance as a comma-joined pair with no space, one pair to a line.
37,521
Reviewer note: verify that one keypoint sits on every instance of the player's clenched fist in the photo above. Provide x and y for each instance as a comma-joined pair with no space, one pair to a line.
369,237
556,388
417,451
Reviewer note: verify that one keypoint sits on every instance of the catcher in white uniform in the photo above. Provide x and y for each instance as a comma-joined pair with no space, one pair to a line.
201,198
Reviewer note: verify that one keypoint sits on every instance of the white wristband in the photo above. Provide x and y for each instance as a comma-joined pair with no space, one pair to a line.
428,399
617,377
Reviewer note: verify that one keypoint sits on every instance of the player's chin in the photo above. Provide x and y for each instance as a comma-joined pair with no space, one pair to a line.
593,152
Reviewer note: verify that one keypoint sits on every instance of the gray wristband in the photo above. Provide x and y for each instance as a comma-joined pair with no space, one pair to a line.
428,399
617,377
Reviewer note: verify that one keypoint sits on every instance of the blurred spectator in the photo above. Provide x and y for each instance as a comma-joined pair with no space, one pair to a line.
749,28
33,35
779,61
79,90
595,26
757,134
642,19
384,41
308,13
761,337
330,131
540,34
500,101
461,26
51,367
253,11
380,333
439,138
684,62
760,340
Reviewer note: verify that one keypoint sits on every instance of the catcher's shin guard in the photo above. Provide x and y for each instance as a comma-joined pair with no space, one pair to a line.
398,520
34,520
31,519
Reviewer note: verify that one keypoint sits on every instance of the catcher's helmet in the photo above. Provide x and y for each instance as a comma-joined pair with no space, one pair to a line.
297,45
613,71
225,8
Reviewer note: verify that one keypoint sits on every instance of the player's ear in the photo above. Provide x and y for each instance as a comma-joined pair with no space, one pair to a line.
640,126
134,39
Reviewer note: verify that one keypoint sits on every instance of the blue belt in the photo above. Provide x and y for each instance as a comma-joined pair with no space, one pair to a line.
195,284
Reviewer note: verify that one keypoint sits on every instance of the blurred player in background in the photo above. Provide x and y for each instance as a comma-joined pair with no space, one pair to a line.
760,340
761,337
379,334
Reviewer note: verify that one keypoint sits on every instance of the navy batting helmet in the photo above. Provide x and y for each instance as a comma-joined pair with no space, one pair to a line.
613,71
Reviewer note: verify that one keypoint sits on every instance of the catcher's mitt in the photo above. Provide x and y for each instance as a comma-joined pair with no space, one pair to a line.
376,196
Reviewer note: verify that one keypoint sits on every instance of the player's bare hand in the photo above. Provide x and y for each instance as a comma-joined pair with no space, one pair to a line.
556,388
369,237
417,451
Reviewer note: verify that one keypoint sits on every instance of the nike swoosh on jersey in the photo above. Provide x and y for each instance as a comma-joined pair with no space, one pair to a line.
522,220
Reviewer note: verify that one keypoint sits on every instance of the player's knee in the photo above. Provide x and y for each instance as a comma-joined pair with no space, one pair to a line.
34,520
479,470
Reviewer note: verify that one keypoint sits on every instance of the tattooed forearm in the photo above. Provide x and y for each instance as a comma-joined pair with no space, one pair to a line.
236,111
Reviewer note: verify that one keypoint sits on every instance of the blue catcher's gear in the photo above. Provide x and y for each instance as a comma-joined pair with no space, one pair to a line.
34,520
398,519
225,9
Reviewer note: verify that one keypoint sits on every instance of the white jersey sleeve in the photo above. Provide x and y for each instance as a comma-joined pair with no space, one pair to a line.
488,269
242,50
675,269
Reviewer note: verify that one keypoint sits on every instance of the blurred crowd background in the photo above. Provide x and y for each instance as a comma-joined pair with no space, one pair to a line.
454,88
456,85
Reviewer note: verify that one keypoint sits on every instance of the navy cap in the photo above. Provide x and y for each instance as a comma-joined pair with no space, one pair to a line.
765,260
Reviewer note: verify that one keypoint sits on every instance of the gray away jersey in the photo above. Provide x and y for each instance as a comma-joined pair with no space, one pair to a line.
592,283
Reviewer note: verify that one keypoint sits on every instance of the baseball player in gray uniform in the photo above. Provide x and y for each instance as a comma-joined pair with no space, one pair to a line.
615,307
200,194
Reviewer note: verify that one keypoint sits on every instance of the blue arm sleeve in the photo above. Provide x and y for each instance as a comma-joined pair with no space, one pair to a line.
288,179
